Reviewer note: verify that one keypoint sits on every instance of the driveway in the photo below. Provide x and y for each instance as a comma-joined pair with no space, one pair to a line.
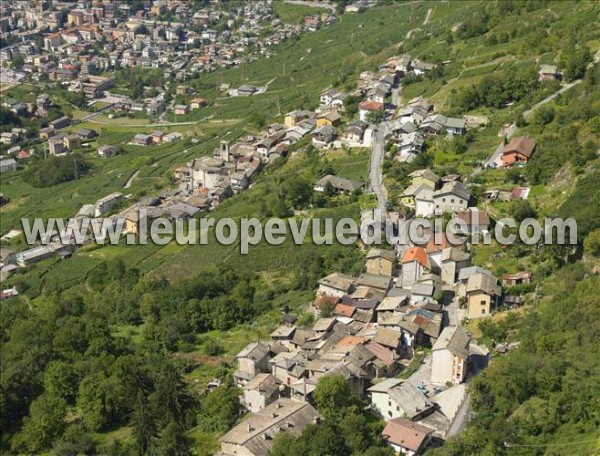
462,418
496,157
423,373
453,311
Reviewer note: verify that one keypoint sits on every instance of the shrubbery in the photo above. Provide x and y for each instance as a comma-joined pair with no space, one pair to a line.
55,170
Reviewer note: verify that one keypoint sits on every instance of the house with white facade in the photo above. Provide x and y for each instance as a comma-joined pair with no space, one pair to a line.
395,398
452,197
414,262
406,438
450,354
260,392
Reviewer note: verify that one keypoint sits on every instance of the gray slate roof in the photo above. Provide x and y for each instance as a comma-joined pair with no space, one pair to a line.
456,339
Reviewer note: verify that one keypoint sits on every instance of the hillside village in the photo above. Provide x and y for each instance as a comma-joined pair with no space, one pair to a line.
58,46
370,328
207,181
411,334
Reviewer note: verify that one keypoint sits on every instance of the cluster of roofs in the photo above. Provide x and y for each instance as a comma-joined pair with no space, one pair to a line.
112,208
368,329
415,122
429,194
57,143
228,170
184,38
156,137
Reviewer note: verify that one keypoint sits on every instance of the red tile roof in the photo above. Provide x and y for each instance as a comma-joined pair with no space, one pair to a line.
350,341
415,254
344,310
406,434
420,320
519,193
383,354
371,106
324,299
437,243
522,145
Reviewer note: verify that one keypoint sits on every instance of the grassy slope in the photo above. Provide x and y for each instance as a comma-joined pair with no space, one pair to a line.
295,14
321,49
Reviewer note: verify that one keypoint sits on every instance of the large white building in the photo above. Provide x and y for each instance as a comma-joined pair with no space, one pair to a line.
395,398
254,435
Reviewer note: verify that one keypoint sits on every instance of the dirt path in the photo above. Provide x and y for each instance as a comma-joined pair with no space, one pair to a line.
551,97
429,12
266,86
170,124
410,32
131,179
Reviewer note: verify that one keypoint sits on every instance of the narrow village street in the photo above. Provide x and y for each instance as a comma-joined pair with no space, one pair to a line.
376,168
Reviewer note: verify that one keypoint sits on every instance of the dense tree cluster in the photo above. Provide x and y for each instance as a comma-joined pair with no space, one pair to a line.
64,362
566,133
135,80
9,120
56,170
497,90
66,376
546,391
575,61
346,428
475,25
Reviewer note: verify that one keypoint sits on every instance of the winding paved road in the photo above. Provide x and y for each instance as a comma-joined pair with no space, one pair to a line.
375,174
551,97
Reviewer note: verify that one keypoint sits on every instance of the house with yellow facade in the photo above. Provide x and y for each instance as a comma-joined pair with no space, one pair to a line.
381,262
293,118
330,118
482,294
140,216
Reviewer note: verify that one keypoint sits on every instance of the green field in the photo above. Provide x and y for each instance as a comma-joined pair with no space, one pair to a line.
295,14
